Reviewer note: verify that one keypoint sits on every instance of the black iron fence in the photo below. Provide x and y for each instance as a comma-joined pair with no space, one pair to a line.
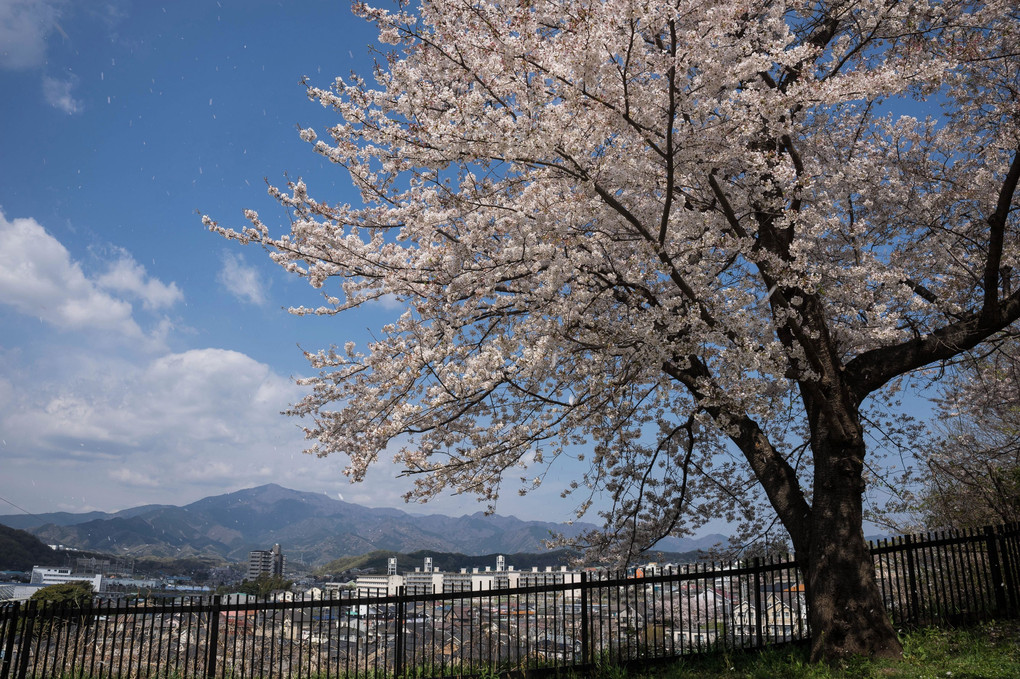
577,620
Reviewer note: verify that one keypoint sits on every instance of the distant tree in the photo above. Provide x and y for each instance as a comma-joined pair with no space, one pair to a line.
71,601
689,243
76,594
972,473
264,585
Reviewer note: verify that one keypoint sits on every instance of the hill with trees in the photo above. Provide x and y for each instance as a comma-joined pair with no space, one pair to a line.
20,550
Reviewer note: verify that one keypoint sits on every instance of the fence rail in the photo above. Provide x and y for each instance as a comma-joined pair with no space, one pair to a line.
936,578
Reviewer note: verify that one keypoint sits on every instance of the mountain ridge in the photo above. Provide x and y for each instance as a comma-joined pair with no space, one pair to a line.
312,528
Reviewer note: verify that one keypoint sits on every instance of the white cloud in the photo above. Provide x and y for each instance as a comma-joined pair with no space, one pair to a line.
170,429
390,302
24,27
242,280
87,422
58,94
39,278
106,432
128,277
205,418
133,478
145,426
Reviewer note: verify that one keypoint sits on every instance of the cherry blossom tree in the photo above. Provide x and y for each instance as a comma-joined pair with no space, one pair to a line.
695,240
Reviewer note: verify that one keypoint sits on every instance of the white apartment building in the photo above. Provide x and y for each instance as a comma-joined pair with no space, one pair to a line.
426,579
562,576
481,579
424,582
535,577
58,576
379,585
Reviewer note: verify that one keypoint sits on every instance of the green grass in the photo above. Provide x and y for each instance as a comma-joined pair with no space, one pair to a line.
986,651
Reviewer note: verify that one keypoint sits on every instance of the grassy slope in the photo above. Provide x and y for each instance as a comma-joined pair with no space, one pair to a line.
986,651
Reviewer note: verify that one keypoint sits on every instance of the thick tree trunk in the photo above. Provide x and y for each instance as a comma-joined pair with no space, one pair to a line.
845,609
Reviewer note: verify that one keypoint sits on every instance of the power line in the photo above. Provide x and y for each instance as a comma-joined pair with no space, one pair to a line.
16,506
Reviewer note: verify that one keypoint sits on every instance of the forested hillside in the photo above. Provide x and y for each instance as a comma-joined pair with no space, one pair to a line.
19,550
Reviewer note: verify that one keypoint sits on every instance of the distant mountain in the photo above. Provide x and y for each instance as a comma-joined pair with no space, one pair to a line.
310,527
28,521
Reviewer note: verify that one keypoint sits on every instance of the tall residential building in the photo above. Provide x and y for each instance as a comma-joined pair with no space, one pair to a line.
262,562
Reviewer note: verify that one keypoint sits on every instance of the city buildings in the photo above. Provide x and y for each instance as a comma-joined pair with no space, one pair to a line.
426,579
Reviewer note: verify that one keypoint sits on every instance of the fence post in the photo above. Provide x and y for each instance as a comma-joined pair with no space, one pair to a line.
10,629
585,598
998,586
758,640
214,638
915,603
1007,540
26,638
398,649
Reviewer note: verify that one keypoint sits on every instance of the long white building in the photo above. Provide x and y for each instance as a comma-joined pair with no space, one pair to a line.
426,579
58,576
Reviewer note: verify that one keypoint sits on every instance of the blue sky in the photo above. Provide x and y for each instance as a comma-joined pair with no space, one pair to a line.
142,358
